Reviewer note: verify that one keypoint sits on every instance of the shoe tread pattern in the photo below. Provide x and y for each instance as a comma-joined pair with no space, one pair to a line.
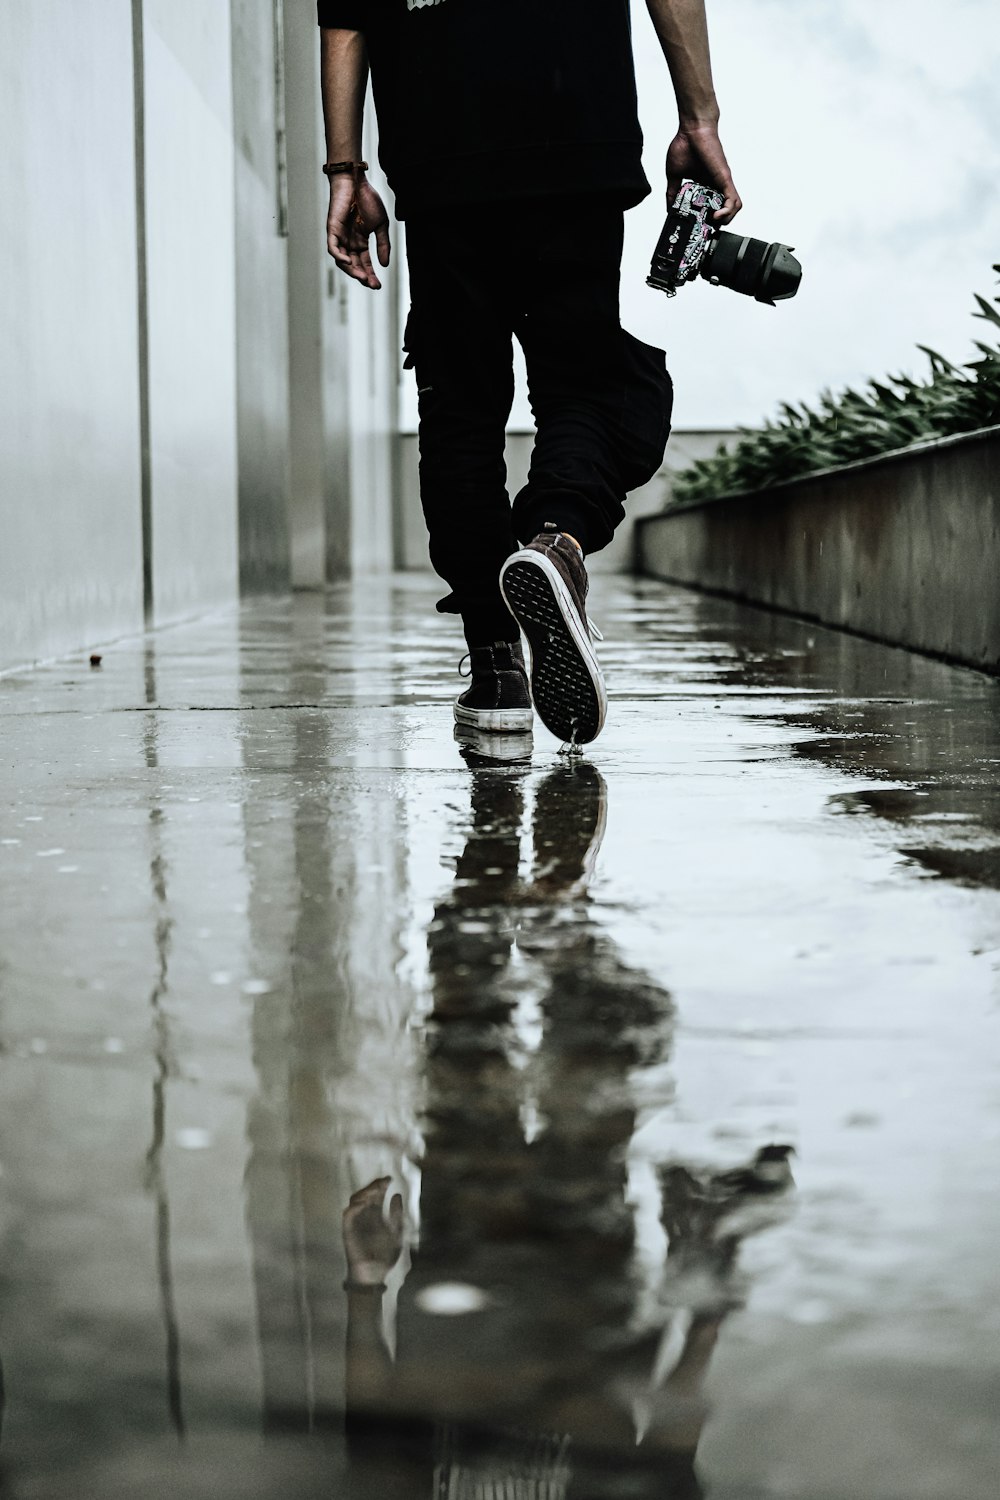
562,687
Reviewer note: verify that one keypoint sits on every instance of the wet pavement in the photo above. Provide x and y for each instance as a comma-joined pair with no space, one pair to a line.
659,1088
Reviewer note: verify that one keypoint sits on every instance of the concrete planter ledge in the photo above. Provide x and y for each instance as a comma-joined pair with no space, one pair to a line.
904,547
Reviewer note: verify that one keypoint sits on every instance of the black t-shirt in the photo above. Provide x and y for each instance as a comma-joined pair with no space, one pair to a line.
501,98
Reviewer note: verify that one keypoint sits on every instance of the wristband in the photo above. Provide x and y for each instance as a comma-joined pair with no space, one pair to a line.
363,1286
333,168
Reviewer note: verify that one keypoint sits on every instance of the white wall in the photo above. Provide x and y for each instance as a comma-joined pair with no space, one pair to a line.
70,512
317,378
375,359
192,303
306,283
343,357
261,297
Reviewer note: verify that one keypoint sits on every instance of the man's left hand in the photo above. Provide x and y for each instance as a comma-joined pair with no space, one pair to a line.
696,152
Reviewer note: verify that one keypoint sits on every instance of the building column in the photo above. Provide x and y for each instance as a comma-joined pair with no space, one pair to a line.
306,285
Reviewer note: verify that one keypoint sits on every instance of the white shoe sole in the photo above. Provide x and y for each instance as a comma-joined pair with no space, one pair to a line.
567,684
496,720
498,749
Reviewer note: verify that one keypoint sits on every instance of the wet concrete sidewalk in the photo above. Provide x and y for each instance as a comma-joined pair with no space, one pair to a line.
268,940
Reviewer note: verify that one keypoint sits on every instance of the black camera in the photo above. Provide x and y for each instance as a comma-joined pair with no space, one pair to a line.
690,246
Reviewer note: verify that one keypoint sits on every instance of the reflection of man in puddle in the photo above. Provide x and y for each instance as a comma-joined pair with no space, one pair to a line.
522,1366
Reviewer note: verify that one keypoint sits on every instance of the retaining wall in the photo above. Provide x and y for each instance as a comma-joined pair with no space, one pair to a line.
904,548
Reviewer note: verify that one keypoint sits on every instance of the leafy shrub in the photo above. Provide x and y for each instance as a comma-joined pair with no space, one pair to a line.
856,424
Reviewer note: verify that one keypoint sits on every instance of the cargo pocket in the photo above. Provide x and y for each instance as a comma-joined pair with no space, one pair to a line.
647,404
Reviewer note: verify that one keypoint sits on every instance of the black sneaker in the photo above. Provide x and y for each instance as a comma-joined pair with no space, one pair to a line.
497,700
545,586
568,824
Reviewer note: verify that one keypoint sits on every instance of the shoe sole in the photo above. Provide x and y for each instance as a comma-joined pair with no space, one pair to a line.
496,720
566,680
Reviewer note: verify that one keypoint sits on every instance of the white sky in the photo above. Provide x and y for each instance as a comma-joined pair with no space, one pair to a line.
866,133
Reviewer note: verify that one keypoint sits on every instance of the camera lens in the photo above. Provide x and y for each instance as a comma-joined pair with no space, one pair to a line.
769,273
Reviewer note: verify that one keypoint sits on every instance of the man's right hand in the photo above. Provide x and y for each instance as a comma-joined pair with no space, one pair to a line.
372,1242
356,213
696,152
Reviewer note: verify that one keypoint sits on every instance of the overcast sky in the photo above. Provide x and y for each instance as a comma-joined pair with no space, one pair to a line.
866,133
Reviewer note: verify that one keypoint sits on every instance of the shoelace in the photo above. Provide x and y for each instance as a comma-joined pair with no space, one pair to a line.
595,634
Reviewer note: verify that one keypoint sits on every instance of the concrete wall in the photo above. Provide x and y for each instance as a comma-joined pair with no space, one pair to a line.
372,380
70,514
361,363
164,360
261,292
684,447
307,281
342,303
905,548
343,358
189,192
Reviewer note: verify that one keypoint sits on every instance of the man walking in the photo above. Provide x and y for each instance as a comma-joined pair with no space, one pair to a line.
508,131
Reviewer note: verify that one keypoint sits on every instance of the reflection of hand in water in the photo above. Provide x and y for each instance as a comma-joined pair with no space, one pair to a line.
373,1242
706,1216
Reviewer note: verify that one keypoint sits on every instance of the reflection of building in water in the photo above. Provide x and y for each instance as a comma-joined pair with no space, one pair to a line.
155,1179
330,1038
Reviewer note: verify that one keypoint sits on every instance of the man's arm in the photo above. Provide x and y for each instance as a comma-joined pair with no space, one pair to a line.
695,150
372,1246
356,210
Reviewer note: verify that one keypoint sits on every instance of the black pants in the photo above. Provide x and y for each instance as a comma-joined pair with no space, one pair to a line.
548,272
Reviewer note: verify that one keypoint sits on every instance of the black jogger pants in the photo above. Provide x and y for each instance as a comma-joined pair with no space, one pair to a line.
546,271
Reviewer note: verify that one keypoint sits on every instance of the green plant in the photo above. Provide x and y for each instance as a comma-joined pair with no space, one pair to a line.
856,424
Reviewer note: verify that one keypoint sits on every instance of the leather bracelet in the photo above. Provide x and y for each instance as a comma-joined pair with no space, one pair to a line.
333,168
364,1286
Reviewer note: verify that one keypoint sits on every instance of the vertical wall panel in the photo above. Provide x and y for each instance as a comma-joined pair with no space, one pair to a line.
192,303
374,399
337,379
70,512
261,295
306,281
343,356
